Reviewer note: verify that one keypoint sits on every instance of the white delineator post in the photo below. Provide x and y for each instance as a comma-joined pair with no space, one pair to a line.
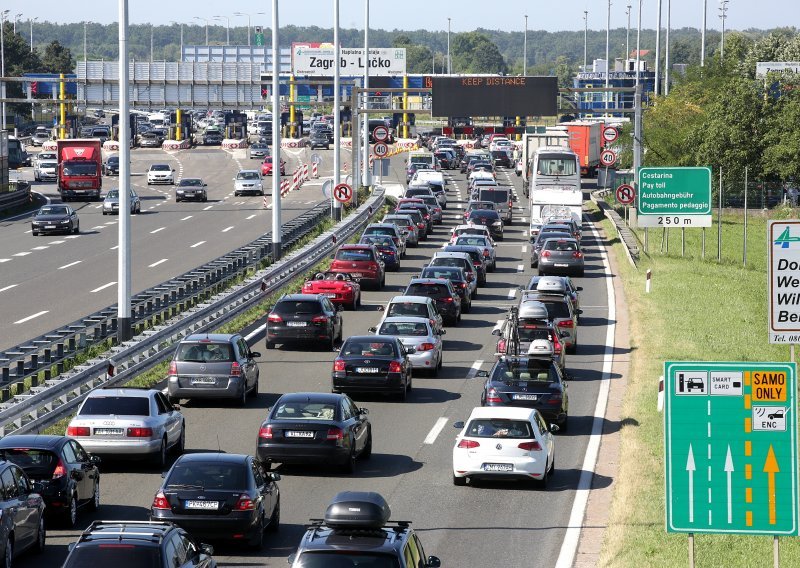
648,278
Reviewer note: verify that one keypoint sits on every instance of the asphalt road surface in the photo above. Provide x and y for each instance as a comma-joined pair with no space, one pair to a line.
513,524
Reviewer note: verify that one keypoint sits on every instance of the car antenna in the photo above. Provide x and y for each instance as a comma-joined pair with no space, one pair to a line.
219,446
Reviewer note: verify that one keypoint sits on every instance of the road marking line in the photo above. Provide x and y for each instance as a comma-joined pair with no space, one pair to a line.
226,229
2,260
97,206
43,247
29,318
195,245
26,253
28,231
115,247
151,207
157,230
520,268
524,249
56,242
476,366
162,261
110,222
207,208
434,433
8,287
98,227
186,218
250,217
103,287
70,264
512,293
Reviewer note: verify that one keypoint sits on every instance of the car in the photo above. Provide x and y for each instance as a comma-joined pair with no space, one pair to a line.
561,256
461,260
415,306
419,333
315,428
22,519
191,188
258,150
412,169
560,312
446,159
357,531
340,288
155,544
304,318
501,197
490,219
150,139
129,423
545,233
441,291
562,283
220,496
212,137
360,261
529,382
111,166
502,158
406,225
68,476
160,173
417,219
387,229
373,364
248,181
55,219
473,205
420,207
387,250
111,202
45,170
319,139
485,244
44,155
457,278
459,230
504,443
435,207
40,137
478,260
266,166
524,326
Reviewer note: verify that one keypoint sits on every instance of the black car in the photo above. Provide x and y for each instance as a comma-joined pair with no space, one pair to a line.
456,277
316,428
419,221
310,318
478,260
356,531
545,234
67,475
319,139
55,219
21,514
502,158
373,363
386,248
136,544
441,291
491,219
212,138
111,166
528,382
220,496
445,159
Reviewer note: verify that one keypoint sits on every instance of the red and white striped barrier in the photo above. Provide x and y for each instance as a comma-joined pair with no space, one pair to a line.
285,186
265,202
296,179
314,170
305,172
111,146
234,144
175,145
49,146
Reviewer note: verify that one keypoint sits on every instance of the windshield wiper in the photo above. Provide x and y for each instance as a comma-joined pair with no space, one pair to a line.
186,486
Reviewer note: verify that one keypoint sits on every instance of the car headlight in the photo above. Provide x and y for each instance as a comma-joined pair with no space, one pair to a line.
498,223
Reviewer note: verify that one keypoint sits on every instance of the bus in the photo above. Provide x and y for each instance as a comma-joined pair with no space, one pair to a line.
555,186
17,156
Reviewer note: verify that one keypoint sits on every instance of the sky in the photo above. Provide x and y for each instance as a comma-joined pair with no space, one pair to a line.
466,15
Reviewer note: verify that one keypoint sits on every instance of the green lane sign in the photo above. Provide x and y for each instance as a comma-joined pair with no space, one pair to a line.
730,434
674,197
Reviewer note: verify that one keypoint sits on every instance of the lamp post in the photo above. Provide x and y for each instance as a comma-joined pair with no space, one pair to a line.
366,181
31,20
337,124
206,21
666,50
723,15
151,42
657,87
608,62
227,28
180,57
276,138
124,331
638,38
525,49
16,17
628,36
703,35
448,47
585,36
3,15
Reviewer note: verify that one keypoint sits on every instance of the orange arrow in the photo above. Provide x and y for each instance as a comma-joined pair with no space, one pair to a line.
771,468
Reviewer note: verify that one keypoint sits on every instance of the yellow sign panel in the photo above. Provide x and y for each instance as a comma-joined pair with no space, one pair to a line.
769,386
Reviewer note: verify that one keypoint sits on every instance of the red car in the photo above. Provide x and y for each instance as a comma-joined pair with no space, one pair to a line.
266,166
340,288
362,262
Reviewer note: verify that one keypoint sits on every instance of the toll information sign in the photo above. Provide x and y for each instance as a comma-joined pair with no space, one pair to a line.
674,197
783,240
730,432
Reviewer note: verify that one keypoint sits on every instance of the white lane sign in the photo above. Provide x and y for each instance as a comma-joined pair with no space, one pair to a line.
380,133
380,149
342,193
626,194
608,158
783,242
610,134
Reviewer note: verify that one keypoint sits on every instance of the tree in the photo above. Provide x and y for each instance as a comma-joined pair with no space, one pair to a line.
473,52
57,59
418,57
19,60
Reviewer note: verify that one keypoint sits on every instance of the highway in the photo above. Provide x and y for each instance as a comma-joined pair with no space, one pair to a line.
50,281
512,524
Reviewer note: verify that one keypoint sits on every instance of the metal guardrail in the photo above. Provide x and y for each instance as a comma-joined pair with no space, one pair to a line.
16,198
57,397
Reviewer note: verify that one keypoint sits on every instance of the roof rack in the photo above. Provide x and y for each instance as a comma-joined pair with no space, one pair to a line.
138,530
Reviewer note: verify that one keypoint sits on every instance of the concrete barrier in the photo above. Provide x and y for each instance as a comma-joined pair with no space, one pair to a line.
292,143
233,144
406,143
49,146
175,145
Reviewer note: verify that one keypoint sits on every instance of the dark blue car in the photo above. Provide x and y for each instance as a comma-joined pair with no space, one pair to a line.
386,248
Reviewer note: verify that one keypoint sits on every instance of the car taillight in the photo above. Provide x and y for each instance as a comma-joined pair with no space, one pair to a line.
338,365
461,284
469,276
420,225
554,399
78,431
486,252
566,323
140,432
236,370
530,446
335,434
577,254
556,346
160,501
448,300
546,254
510,203
501,346
173,368
395,367
265,432
425,347
60,470
492,396
245,503
274,318
319,319
468,444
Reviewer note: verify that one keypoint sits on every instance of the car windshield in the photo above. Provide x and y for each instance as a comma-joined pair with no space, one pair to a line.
36,463
80,169
471,241
208,475
354,255
324,559
499,428
119,405
160,168
292,307
542,373
53,210
113,160
114,554
247,175
304,410
202,352
410,328
370,348
112,194
191,182
430,290
483,214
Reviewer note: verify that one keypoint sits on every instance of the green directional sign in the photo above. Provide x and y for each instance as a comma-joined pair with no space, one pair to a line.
674,197
731,448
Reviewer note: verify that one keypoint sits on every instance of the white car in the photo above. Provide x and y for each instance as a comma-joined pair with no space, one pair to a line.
413,306
248,181
416,332
504,443
45,170
160,173
485,243
469,230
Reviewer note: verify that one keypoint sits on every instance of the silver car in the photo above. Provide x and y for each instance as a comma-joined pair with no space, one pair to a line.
129,423
248,181
213,366
45,170
111,202
406,225
418,333
485,244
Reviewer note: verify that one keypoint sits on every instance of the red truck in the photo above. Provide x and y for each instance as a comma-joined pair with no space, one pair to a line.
79,169
586,140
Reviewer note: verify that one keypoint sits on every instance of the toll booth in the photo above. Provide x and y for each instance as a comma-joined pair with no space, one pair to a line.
235,125
298,123
180,130
132,128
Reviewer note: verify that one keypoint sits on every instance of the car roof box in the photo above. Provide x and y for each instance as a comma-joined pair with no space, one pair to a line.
357,509
552,284
532,310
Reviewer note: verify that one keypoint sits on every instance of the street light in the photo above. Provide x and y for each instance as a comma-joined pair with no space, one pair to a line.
3,62
628,37
31,20
16,17
151,41
248,21
703,35
448,47
585,36
723,15
638,37
657,88
206,21
227,28
180,57
608,62
525,49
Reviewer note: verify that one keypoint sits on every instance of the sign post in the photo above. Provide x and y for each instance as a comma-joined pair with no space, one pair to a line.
674,197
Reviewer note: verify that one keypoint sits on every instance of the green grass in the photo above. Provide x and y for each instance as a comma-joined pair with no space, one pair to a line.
700,310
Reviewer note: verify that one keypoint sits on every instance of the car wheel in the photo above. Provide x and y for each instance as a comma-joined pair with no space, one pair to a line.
177,200
349,466
104,213
564,424
275,518
160,459
572,348
35,233
467,306
270,345
460,481
205,198
41,536
71,514
580,272
366,453
94,504
254,391
77,228
242,400
354,305
180,445
8,556
256,540
403,394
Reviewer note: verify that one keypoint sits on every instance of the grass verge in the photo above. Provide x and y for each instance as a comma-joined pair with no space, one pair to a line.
698,310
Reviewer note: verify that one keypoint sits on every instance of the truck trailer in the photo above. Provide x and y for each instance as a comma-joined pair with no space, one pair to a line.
80,164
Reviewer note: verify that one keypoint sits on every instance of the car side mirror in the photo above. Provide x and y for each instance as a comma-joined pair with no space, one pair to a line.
290,560
483,374
255,354
206,549
443,332
363,411
95,460
459,424
373,330
433,562
554,428
579,312
273,476
381,308
163,474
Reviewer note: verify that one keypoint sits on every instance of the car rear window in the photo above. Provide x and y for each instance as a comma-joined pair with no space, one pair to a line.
201,352
120,405
371,348
407,309
380,231
449,261
553,244
471,241
361,559
495,196
429,290
304,410
354,255
36,463
209,475
442,272
556,309
499,428
531,332
118,554
418,329
291,307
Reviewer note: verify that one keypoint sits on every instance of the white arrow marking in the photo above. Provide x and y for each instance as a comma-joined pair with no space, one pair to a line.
729,472
690,467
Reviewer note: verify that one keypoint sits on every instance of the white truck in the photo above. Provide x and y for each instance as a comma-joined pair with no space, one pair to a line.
555,187
547,136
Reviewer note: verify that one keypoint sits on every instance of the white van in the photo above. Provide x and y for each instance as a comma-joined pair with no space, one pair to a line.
501,197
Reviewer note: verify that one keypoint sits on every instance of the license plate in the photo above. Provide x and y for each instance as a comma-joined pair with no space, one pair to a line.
560,265
367,370
525,397
356,274
299,434
204,381
329,295
49,226
498,467
108,431
296,323
207,505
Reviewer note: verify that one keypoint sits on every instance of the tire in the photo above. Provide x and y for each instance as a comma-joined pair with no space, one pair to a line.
354,305
467,307
402,396
94,504
256,540
459,481
70,517
104,213
180,445
8,556
77,229
270,345
563,425
275,519
160,459
254,391
572,349
242,400
35,233
41,536
366,453
349,466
